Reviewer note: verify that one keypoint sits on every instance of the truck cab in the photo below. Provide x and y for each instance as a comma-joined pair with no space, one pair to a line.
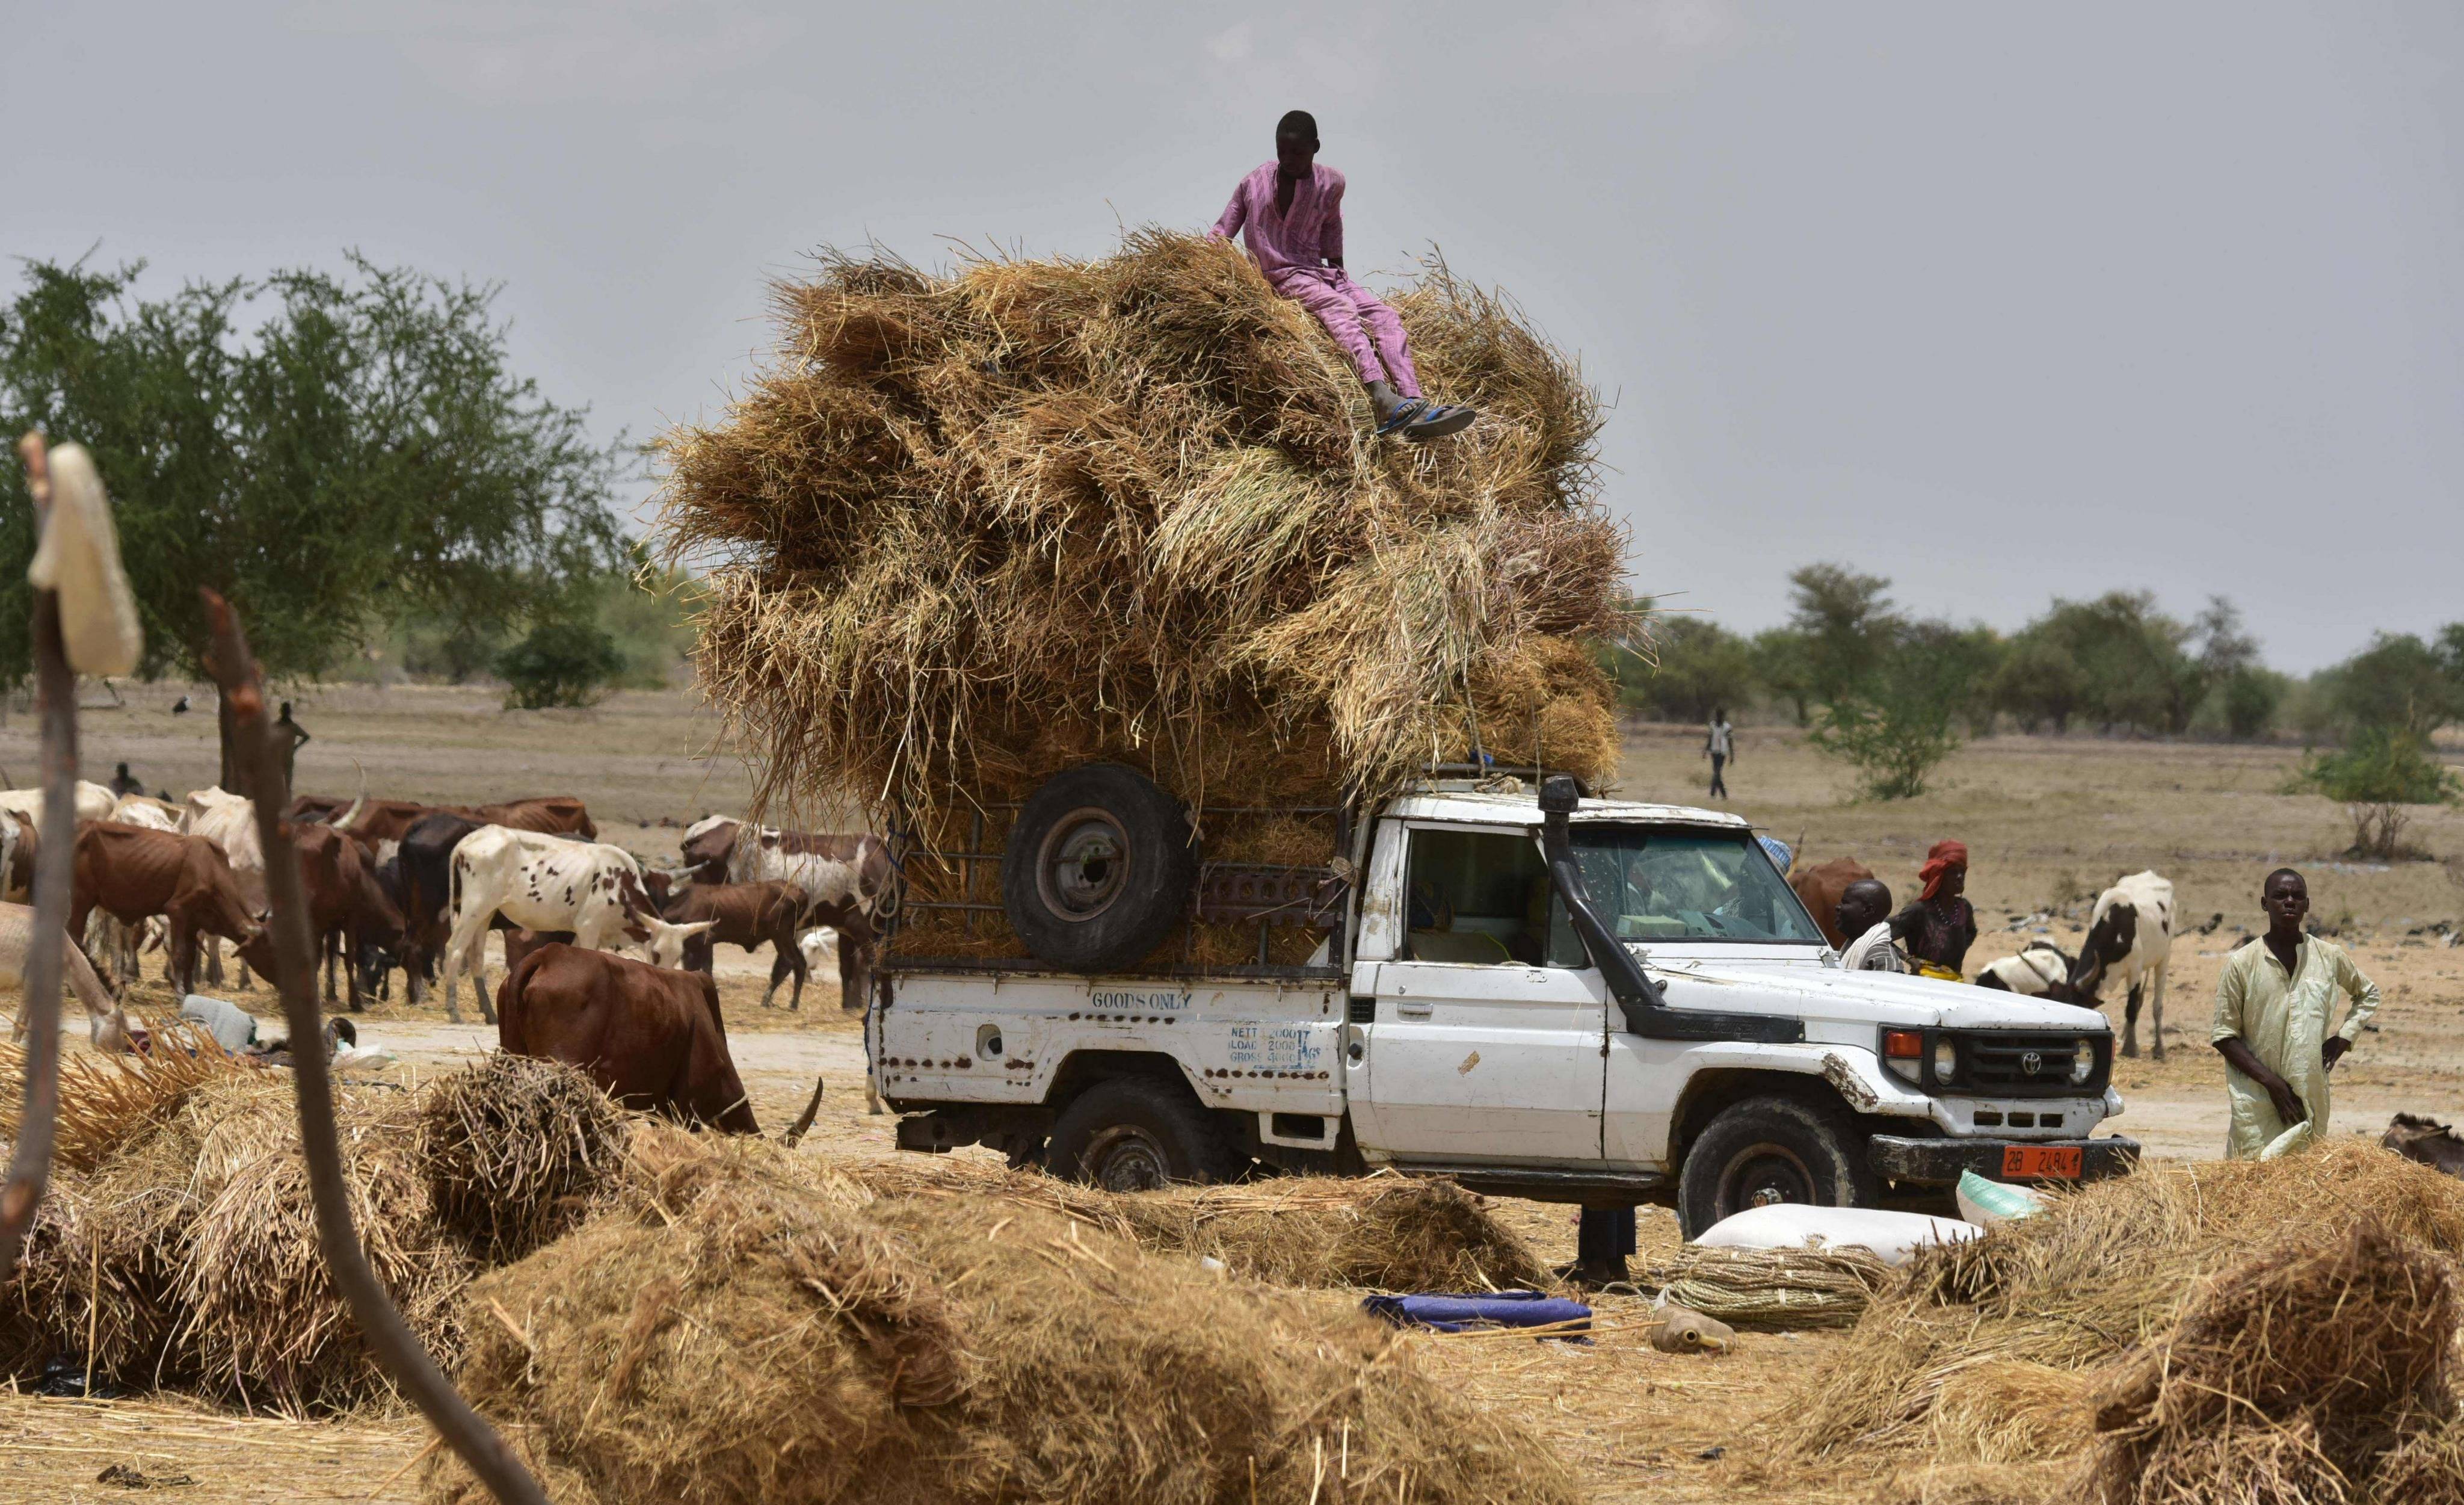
1549,996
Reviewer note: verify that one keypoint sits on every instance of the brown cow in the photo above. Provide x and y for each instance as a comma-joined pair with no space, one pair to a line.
338,882
1820,887
133,873
650,1037
392,820
747,915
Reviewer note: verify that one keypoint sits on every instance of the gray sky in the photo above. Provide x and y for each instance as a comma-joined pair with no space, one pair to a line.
2000,301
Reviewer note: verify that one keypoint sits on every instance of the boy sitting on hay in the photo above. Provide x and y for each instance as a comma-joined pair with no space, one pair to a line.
1289,214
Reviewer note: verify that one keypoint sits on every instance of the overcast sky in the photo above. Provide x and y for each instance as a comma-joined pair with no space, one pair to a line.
2001,301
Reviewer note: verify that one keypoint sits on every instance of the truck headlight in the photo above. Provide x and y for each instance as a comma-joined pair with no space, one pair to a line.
1946,1059
2082,1062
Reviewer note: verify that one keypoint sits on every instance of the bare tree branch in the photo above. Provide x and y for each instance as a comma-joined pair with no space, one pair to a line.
295,952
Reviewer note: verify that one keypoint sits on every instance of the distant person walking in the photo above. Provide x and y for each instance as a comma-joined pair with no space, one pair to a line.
295,736
2273,1001
1720,746
1941,925
1289,214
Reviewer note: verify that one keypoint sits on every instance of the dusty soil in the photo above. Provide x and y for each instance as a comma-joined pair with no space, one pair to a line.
2048,822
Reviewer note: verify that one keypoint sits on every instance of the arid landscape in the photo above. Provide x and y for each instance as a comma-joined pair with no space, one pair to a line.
2047,820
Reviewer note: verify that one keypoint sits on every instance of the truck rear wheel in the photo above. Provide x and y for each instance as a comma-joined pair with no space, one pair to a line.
1137,1134
1098,868
1768,1150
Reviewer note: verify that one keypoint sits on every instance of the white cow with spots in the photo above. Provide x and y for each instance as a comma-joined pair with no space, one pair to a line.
549,884
850,875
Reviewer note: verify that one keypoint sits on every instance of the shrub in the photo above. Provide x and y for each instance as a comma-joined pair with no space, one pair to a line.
559,664
1901,722
2378,774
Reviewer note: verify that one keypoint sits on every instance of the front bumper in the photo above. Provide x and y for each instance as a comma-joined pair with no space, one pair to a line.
1938,1162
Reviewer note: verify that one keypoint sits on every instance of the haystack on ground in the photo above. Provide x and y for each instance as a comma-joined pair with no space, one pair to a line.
177,1247
2108,1268
746,1341
973,528
1383,1233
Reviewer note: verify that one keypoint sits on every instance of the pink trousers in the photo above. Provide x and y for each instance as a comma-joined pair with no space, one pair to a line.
1366,328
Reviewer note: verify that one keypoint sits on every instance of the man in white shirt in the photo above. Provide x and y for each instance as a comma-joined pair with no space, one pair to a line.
1721,746
1865,913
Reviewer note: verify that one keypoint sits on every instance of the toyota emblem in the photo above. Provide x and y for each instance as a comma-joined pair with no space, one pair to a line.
2032,1063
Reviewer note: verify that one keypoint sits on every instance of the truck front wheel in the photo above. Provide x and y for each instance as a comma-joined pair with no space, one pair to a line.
1135,1134
1768,1150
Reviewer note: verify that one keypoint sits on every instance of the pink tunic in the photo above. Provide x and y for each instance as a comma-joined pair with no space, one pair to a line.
1293,248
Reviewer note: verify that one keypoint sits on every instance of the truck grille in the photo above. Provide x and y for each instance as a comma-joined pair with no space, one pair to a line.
1995,1063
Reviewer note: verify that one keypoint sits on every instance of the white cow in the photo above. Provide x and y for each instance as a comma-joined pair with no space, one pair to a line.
111,1028
2040,970
549,883
2129,935
820,948
850,875
229,821
93,803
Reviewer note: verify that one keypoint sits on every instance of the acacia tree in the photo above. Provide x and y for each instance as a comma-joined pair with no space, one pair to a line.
363,451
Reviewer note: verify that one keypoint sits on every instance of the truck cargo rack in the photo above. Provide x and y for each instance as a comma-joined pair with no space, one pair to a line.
1270,896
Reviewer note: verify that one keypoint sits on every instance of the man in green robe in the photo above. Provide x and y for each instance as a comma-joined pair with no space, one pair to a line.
2274,1005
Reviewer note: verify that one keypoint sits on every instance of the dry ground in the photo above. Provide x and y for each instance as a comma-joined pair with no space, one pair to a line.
2047,820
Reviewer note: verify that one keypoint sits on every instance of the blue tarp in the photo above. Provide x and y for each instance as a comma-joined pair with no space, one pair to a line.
1452,1313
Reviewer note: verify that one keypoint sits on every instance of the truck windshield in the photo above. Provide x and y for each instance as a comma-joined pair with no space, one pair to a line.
1655,884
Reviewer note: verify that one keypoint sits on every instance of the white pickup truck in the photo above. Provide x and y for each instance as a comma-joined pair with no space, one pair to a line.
1561,998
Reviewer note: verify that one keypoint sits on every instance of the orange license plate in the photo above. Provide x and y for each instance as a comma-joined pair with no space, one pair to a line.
2040,1162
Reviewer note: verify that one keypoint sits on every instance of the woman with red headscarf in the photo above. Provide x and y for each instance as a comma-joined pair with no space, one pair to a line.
1941,925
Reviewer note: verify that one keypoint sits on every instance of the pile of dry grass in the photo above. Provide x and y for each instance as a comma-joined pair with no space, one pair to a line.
971,528
739,1339
109,1101
1383,1233
517,1149
2107,1269
2287,1378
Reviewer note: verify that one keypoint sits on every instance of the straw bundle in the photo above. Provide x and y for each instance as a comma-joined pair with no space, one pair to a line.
745,1342
2103,1270
975,527
2287,1378
1789,1288
110,1100
1385,1233
515,1149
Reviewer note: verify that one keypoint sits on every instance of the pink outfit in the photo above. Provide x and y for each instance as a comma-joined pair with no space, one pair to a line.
1292,250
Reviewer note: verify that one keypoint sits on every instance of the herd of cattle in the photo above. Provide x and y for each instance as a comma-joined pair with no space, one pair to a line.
2130,938
396,885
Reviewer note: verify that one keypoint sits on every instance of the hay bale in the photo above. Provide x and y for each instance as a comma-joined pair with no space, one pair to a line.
971,528
2287,1379
1382,1233
1783,1288
2102,1269
748,1342
515,1150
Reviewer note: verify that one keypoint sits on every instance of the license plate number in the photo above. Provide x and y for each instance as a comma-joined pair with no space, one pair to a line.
2041,1162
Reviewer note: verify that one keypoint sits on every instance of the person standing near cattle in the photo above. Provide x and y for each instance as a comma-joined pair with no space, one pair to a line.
1721,746
293,737
1941,925
2273,1003
1289,214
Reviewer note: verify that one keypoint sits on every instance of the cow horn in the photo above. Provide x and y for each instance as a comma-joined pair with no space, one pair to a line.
342,821
796,1132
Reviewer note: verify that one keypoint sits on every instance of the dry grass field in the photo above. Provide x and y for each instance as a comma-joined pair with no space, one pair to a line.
2047,820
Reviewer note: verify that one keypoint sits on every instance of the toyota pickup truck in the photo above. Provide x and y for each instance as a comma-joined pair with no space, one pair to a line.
1539,995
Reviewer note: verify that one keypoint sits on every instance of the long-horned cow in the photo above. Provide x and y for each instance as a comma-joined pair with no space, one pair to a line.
650,1037
543,882
2041,969
2130,937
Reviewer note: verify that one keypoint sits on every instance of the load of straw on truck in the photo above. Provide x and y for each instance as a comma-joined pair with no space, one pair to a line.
1122,524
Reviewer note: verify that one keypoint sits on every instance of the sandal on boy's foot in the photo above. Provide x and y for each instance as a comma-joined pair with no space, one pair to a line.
1436,422
1405,411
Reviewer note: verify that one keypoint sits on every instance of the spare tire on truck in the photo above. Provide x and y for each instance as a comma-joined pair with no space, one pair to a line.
1098,868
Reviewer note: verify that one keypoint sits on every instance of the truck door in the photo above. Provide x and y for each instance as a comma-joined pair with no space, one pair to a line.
1480,1049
